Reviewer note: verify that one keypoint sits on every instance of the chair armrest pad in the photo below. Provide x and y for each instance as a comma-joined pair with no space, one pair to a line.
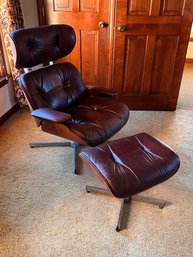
103,91
51,115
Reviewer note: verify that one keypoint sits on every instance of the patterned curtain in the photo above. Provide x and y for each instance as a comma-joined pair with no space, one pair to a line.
11,19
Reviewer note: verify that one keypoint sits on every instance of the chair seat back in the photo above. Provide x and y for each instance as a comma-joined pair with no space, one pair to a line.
57,86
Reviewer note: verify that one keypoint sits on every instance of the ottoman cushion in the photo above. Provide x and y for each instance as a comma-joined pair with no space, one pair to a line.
130,165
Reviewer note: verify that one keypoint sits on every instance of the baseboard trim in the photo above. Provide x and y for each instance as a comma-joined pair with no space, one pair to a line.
8,114
189,60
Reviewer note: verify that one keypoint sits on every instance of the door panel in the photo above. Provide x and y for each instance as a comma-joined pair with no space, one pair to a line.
172,7
134,57
150,51
139,7
92,52
89,43
164,60
89,6
63,5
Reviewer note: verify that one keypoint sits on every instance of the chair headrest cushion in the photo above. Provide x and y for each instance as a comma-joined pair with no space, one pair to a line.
33,46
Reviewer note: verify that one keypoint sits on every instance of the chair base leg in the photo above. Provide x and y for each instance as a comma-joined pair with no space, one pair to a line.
90,189
49,144
123,201
72,144
139,198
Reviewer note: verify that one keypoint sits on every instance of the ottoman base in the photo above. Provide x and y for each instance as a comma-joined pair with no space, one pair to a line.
129,166
139,198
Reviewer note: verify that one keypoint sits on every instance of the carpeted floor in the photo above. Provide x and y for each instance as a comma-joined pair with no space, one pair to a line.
45,211
186,90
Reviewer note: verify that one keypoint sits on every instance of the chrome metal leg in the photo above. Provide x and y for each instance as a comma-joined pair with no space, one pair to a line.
90,189
72,144
123,201
49,144
139,198
75,146
149,200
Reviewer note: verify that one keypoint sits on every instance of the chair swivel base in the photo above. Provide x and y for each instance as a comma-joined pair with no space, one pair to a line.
72,144
150,200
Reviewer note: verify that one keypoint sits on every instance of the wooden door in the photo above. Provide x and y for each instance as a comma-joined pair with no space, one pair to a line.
91,20
150,51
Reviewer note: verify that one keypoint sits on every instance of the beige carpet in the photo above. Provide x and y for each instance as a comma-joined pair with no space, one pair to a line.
186,90
45,211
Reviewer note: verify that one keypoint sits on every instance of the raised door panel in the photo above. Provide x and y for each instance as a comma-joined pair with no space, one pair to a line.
92,52
63,5
163,64
89,6
172,7
89,54
139,7
134,64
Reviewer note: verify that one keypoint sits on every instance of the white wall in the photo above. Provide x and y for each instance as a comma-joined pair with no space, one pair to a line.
7,96
30,15
189,54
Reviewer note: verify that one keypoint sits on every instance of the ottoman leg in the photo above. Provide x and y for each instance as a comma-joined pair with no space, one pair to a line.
149,200
123,201
138,198
90,189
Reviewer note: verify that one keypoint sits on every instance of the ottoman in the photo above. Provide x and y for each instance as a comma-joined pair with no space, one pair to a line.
130,165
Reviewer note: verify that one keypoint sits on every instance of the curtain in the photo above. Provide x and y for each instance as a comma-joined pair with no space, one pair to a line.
11,18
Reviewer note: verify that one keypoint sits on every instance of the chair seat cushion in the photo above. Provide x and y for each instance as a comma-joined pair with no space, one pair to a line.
96,118
133,164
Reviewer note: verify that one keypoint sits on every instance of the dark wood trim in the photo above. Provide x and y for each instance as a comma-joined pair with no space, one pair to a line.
8,114
189,60
41,12
3,81
191,39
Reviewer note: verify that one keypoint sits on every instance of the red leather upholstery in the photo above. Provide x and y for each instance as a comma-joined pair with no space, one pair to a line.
128,166
96,119
33,46
57,86
51,115
57,95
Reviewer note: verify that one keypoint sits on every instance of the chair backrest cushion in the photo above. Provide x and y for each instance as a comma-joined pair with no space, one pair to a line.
57,86
33,46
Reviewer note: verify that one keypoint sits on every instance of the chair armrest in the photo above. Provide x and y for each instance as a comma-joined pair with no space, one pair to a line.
51,115
103,91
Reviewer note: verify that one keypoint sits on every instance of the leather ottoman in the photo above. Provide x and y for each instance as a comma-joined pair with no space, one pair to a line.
130,165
